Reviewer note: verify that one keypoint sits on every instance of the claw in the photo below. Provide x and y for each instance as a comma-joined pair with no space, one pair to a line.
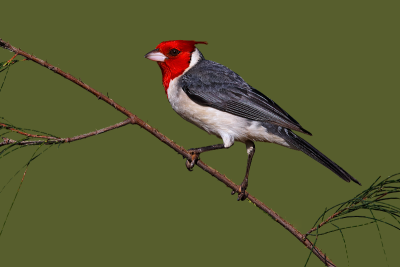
190,164
242,194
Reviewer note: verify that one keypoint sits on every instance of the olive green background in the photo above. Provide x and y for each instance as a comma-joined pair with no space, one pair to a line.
125,199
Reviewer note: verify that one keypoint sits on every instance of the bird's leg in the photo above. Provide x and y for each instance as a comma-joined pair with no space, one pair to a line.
251,149
195,152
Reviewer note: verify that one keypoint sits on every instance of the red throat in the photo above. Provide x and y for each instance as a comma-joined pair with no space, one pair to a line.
171,71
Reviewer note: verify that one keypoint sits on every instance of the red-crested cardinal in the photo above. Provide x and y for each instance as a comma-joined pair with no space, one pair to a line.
220,102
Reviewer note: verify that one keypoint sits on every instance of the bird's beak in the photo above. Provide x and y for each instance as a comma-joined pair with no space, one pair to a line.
156,55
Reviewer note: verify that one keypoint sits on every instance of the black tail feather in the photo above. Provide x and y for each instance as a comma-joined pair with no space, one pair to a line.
311,151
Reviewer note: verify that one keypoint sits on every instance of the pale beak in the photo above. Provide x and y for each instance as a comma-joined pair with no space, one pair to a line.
156,55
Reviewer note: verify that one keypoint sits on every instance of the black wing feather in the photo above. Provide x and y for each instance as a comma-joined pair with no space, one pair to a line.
214,85
314,153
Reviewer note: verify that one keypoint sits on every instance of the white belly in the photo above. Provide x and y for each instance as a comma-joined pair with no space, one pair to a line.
222,124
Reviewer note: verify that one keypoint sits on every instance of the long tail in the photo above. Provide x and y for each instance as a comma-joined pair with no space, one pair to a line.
304,146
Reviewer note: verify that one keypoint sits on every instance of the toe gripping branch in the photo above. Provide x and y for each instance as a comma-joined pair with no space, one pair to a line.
195,152
242,193
190,163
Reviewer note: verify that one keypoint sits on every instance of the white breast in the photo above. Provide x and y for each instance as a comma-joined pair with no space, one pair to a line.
222,124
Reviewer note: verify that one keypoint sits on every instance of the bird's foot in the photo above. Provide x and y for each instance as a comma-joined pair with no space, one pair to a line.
190,163
242,194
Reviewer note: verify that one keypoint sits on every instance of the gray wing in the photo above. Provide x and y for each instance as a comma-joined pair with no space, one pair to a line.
214,85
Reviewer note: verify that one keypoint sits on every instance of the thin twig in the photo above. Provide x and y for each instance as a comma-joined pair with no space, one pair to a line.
53,140
335,215
7,141
326,221
9,61
26,134
135,120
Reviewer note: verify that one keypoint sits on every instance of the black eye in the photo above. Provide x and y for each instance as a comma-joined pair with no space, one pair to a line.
174,52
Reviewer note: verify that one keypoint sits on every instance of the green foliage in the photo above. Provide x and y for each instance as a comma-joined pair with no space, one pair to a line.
5,129
33,157
375,198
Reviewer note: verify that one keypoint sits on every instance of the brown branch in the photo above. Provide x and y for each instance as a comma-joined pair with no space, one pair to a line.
53,140
135,120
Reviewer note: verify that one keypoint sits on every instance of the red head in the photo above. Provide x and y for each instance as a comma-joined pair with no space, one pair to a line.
173,57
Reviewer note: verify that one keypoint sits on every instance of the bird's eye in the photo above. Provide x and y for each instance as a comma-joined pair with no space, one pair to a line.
174,52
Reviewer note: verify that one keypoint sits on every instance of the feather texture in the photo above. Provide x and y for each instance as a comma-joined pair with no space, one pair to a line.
214,85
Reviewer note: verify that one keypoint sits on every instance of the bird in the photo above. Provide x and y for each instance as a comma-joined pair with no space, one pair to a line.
218,101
